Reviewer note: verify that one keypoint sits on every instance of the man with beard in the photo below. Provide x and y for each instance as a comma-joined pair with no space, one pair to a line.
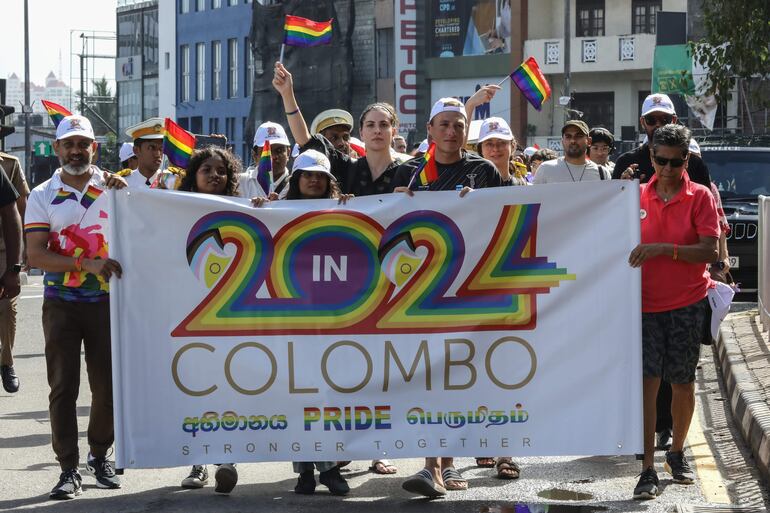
573,166
65,225
657,111
148,148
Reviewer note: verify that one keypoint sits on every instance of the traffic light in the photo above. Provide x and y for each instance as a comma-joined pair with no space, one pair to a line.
5,110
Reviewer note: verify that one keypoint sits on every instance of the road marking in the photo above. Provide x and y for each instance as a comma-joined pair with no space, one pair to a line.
31,297
711,483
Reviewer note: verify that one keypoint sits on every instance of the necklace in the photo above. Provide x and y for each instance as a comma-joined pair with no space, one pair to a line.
570,171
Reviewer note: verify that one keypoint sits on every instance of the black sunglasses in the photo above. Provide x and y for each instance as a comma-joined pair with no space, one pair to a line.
652,120
675,163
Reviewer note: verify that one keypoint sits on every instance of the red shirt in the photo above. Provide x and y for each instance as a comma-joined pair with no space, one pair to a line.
668,284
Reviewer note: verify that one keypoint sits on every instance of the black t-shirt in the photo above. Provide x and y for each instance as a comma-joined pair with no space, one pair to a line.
471,170
8,192
353,176
696,168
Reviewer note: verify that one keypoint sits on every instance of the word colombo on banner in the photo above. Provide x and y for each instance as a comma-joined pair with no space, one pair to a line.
392,326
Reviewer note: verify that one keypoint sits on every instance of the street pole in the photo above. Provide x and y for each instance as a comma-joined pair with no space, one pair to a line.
567,52
26,108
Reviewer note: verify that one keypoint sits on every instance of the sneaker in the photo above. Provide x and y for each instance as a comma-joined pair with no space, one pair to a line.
69,485
10,379
332,480
676,465
198,478
226,477
647,487
104,472
305,484
664,440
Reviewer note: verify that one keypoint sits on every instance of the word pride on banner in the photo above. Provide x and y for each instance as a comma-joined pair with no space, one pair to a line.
392,326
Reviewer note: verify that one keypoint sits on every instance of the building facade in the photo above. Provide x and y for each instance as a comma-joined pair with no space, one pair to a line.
137,63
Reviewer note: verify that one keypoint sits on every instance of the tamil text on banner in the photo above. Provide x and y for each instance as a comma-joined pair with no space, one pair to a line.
505,322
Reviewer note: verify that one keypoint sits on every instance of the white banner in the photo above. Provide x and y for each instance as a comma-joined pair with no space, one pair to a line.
507,322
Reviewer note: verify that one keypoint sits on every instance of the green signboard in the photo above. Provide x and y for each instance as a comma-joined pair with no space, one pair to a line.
42,148
672,70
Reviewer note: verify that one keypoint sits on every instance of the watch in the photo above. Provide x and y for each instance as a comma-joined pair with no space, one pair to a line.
15,268
719,265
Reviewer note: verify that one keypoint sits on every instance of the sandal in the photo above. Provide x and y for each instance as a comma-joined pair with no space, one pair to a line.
383,467
507,469
453,480
422,483
485,462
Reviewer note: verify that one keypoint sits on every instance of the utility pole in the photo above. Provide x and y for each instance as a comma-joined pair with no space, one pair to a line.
567,51
26,109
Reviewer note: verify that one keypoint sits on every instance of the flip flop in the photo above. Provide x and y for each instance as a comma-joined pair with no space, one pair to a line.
383,467
509,465
485,462
422,484
453,480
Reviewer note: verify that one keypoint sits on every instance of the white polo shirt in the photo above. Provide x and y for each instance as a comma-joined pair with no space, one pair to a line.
249,187
76,223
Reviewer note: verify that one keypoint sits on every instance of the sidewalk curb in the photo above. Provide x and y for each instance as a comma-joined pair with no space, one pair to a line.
750,411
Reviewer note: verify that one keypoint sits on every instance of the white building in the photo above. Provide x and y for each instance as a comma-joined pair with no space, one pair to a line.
612,45
54,90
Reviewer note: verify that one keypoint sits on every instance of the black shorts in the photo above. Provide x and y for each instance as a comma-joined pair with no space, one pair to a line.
671,342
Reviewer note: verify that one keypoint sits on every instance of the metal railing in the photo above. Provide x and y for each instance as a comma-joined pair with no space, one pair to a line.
764,261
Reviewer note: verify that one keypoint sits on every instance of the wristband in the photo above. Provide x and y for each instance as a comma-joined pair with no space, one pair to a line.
292,112
79,262
675,256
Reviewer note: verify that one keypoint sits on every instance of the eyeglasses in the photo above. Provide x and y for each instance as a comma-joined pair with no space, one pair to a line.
674,163
654,120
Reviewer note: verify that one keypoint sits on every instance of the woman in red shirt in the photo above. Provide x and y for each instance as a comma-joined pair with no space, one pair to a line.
679,233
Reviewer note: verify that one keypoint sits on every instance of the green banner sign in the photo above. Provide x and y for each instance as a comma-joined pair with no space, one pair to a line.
672,70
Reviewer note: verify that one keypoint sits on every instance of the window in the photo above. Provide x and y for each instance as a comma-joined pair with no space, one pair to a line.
200,71
216,69
232,68
184,6
230,129
184,65
167,58
590,18
644,13
598,108
213,125
232,2
184,123
196,124
385,53
249,68
200,5
216,4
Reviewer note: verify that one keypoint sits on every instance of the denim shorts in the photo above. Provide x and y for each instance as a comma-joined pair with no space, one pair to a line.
671,342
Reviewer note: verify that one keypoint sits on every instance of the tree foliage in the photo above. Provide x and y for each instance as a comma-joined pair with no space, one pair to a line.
736,43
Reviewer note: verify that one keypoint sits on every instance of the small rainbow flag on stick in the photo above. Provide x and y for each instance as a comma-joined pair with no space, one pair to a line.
533,85
56,111
178,144
304,32
265,169
427,172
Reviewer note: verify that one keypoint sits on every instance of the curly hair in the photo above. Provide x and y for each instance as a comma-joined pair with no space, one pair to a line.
232,166
332,190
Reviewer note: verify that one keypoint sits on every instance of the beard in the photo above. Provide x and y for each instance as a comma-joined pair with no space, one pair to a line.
76,170
573,152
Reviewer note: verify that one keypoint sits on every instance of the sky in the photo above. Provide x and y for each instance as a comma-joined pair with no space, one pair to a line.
50,23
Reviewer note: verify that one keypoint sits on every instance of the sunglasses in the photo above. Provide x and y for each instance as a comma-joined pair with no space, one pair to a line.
675,163
653,120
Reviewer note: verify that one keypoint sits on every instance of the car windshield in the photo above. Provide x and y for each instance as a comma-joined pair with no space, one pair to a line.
739,173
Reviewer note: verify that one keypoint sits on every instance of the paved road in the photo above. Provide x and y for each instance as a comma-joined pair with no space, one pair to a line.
28,469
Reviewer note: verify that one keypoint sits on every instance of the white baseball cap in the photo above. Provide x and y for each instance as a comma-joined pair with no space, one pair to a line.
295,151
495,128
694,147
529,151
312,160
447,105
74,125
126,151
423,146
272,132
658,103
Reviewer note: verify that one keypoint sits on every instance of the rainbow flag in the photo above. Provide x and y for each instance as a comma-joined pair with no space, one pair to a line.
265,169
533,85
426,172
178,144
56,111
305,32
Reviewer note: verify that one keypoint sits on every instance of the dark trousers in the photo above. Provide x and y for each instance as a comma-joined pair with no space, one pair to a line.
67,324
